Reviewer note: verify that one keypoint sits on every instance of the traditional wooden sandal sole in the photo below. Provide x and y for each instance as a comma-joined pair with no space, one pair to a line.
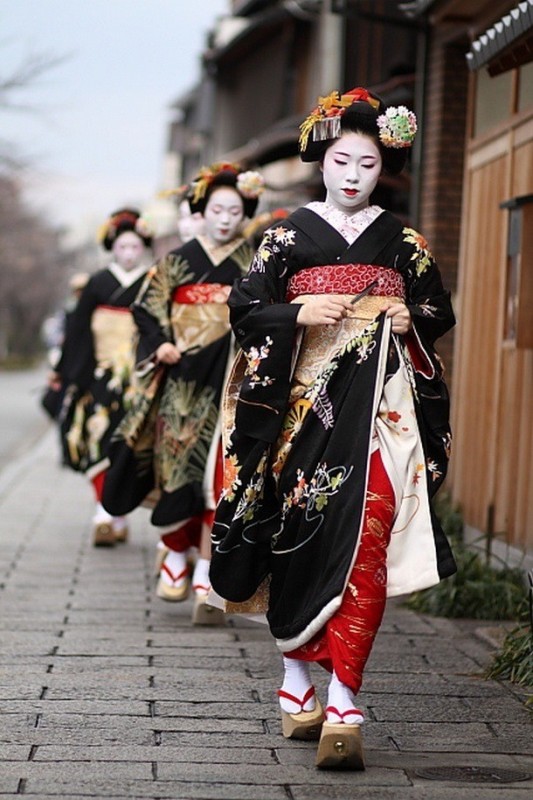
204,614
121,536
305,726
173,594
340,747
103,535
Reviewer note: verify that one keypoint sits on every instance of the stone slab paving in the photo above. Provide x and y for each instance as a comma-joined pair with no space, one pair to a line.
107,692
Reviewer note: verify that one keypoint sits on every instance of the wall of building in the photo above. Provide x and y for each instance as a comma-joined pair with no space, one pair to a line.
443,128
491,471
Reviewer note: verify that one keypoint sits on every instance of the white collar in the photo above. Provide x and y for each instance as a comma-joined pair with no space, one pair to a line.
127,277
350,226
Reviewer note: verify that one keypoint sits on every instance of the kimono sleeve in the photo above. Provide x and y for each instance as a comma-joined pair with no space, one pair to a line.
264,325
77,362
432,315
152,306
428,301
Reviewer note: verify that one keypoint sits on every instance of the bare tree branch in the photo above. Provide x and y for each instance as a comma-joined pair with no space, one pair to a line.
24,78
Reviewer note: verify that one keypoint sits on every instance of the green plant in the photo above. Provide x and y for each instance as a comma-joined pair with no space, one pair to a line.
514,661
450,517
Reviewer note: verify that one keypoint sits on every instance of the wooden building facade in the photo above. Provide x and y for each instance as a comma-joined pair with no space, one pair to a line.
493,379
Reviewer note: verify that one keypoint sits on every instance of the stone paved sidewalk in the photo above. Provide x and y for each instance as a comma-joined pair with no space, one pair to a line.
107,692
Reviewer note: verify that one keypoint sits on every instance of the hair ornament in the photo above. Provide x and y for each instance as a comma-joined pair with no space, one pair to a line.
144,227
397,127
250,184
325,120
123,221
178,193
207,175
105,229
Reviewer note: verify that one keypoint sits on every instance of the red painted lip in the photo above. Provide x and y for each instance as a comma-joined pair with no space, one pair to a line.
350,192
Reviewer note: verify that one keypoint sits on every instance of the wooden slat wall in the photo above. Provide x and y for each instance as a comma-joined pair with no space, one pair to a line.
514,498
492,403
513,486
476,359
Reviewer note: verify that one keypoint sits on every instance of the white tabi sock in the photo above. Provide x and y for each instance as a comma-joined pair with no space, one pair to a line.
296,682
101,515
342,699
200,579
174,569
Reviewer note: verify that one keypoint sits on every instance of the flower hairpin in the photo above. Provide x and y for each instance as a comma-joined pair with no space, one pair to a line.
144,227
105,229
250,184
207,175
141,225
325,120
397,127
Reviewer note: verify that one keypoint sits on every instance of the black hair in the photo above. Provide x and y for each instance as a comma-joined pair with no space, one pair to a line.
125,219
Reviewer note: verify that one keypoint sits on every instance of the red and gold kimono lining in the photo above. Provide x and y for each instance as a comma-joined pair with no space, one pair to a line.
199,293
346,279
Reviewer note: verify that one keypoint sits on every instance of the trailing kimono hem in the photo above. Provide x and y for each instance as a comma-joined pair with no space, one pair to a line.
285,645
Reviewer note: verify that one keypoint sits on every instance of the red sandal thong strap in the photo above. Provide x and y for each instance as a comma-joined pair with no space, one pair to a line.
201,587
307,696
343,714
175,578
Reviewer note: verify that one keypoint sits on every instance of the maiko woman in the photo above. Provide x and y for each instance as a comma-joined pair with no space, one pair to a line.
97,360
337,433
170,441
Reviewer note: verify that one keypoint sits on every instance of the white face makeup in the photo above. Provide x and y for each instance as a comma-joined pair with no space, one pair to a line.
189,225
351,168
223,215
128,250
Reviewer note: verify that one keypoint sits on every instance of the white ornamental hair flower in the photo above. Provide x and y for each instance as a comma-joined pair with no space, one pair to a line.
397,127
144,227
250,184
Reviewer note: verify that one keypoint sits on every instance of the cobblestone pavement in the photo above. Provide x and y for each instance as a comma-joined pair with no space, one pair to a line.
107,692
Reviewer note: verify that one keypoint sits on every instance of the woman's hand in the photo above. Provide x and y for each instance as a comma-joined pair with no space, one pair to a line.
168,353
400,316
323,309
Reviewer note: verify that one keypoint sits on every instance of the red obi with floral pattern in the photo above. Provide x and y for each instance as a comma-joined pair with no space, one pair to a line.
198,293
346,279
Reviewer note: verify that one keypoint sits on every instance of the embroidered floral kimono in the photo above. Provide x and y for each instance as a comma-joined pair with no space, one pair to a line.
169,439
306,407
96,365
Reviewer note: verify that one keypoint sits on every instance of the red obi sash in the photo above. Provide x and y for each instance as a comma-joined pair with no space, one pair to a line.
346,279
198,293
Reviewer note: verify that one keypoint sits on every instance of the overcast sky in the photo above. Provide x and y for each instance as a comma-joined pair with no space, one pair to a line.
97,130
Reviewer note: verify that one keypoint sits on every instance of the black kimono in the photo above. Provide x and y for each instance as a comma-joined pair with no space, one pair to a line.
307,407
96,366
170,438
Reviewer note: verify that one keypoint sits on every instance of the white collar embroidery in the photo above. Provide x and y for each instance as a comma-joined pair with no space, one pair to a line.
350,226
